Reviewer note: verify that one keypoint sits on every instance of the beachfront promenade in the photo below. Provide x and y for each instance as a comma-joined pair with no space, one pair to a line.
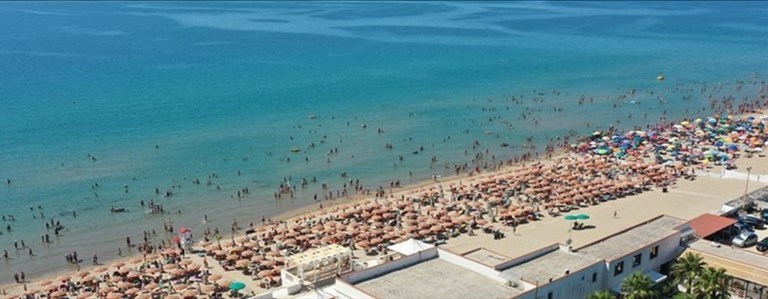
686,200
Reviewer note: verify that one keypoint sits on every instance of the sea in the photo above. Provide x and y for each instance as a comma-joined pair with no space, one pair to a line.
107,104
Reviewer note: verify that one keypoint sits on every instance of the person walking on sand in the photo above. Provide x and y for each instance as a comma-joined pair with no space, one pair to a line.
615,214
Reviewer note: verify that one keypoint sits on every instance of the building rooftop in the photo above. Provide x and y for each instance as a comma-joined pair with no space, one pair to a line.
708,224
486,257
549,266
435,278
632,239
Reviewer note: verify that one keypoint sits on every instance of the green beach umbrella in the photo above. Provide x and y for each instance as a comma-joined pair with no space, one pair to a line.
602,151
582,217
571,217
236,286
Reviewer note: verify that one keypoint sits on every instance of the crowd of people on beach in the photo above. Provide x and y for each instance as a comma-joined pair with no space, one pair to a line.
605,165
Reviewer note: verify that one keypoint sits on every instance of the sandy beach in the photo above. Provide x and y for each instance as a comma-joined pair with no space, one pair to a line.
685,199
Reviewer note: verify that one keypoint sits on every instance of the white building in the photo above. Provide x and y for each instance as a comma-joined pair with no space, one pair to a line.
648,247
554,271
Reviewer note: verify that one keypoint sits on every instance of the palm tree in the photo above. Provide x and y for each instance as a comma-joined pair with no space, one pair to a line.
638,286
713,284
687,269
601,294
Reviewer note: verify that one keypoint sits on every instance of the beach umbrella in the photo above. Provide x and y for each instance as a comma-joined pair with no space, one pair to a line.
236,286
180,287
51,288
582,217
264,273
124,285
207,288
571,217
46,282
132,291
169,267
190,293
223,283
193,268
242,263
58,294
85,295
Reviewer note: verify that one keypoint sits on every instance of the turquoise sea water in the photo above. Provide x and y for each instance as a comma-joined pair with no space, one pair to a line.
164,93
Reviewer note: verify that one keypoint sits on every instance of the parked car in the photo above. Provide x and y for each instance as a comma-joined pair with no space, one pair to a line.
743,227
762,246
745,239
753,221
764,214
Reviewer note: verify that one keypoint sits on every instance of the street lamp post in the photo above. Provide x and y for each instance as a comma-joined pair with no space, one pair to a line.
746,188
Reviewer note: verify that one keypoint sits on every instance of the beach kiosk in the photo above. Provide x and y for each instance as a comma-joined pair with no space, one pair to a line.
321,263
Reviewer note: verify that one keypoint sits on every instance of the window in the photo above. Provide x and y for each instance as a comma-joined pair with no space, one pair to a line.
637,259
550,295
594,277
618,269
654,251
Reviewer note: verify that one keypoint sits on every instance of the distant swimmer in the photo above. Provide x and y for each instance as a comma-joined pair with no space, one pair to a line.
119,210
660,77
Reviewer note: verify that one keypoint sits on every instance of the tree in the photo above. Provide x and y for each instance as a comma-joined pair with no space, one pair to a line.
638,286
687,269
601,294
713,284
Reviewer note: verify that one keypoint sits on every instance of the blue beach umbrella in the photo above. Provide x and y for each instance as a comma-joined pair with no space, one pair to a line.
236,286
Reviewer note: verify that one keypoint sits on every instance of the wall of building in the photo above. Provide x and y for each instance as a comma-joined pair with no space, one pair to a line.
527,257
291,283
575,285
387,267
669,249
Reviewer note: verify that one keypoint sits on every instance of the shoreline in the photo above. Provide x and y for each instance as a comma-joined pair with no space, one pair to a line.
330,205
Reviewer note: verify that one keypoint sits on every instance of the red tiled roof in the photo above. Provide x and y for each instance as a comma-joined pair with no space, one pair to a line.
708,224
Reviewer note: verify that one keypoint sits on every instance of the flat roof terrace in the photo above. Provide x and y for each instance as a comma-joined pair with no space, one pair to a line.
486,257
549,266
435,278
632,239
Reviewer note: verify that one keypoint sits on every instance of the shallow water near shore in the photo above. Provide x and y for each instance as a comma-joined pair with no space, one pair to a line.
161,94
